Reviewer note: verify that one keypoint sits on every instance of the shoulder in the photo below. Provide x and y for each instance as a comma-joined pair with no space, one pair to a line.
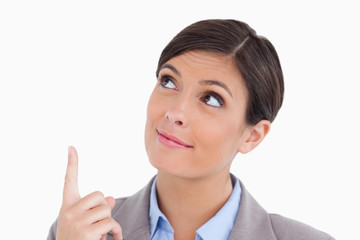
254,222
285,228
139,202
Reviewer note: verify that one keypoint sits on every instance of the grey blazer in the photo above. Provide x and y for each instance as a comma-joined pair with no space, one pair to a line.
252,222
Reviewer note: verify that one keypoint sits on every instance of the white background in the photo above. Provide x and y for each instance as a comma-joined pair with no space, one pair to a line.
80,73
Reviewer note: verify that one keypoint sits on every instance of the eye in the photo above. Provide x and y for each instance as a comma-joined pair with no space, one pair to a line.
212,99
167,82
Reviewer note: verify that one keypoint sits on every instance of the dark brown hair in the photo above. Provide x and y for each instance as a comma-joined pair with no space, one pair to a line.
254,56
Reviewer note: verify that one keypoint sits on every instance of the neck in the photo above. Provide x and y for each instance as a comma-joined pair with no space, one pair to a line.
189,203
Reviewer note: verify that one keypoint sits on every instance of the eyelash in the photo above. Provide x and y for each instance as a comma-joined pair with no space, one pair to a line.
214,95
163,78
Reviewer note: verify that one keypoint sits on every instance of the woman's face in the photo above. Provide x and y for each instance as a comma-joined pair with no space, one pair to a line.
196,115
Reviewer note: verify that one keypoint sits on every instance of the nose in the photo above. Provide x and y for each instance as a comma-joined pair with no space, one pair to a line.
178,114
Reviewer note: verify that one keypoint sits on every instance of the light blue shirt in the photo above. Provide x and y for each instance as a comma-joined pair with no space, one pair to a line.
217,228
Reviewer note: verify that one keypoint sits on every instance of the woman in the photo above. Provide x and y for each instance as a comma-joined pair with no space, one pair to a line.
219,87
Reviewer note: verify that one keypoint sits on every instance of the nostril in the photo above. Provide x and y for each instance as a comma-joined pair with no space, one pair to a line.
167,116
172,117
179,122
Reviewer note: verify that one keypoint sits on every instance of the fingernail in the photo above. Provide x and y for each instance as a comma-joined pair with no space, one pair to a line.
69,149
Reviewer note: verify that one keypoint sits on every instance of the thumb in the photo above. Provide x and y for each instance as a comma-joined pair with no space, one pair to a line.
110,201
71,189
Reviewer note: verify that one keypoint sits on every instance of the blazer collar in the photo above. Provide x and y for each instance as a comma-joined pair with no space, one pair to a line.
252,221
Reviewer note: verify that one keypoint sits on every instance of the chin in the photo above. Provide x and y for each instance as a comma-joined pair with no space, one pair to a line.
169,166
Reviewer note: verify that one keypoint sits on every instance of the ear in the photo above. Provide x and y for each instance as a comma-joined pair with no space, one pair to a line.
254,135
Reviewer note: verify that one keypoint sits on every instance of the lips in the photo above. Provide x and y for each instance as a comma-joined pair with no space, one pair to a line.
171,141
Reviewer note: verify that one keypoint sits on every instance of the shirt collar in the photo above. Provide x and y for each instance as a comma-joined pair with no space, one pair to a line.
156,216
218,227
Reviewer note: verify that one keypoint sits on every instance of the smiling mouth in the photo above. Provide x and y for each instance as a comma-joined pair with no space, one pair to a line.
171,141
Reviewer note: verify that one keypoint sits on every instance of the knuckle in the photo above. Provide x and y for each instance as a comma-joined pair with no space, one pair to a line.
107,208
67,178
98,194
108,221
69,216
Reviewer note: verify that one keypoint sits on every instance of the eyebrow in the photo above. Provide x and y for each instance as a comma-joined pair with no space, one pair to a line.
217,83
172,68
202,82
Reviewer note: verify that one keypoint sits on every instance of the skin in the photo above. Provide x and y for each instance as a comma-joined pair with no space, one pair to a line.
194,182
87,218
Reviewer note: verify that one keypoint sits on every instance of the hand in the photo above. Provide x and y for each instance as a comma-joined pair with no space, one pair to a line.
87,218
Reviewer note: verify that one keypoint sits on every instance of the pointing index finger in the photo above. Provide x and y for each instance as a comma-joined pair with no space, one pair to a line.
71,189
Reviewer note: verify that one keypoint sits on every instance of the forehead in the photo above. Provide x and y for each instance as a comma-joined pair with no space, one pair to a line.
205,61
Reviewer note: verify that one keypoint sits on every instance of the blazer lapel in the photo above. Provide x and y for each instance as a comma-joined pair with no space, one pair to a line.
252,221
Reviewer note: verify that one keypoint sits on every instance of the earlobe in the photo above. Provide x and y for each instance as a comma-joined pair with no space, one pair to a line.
254,136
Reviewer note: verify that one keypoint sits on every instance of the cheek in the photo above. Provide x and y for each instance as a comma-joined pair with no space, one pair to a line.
154,109
219,139
155,112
